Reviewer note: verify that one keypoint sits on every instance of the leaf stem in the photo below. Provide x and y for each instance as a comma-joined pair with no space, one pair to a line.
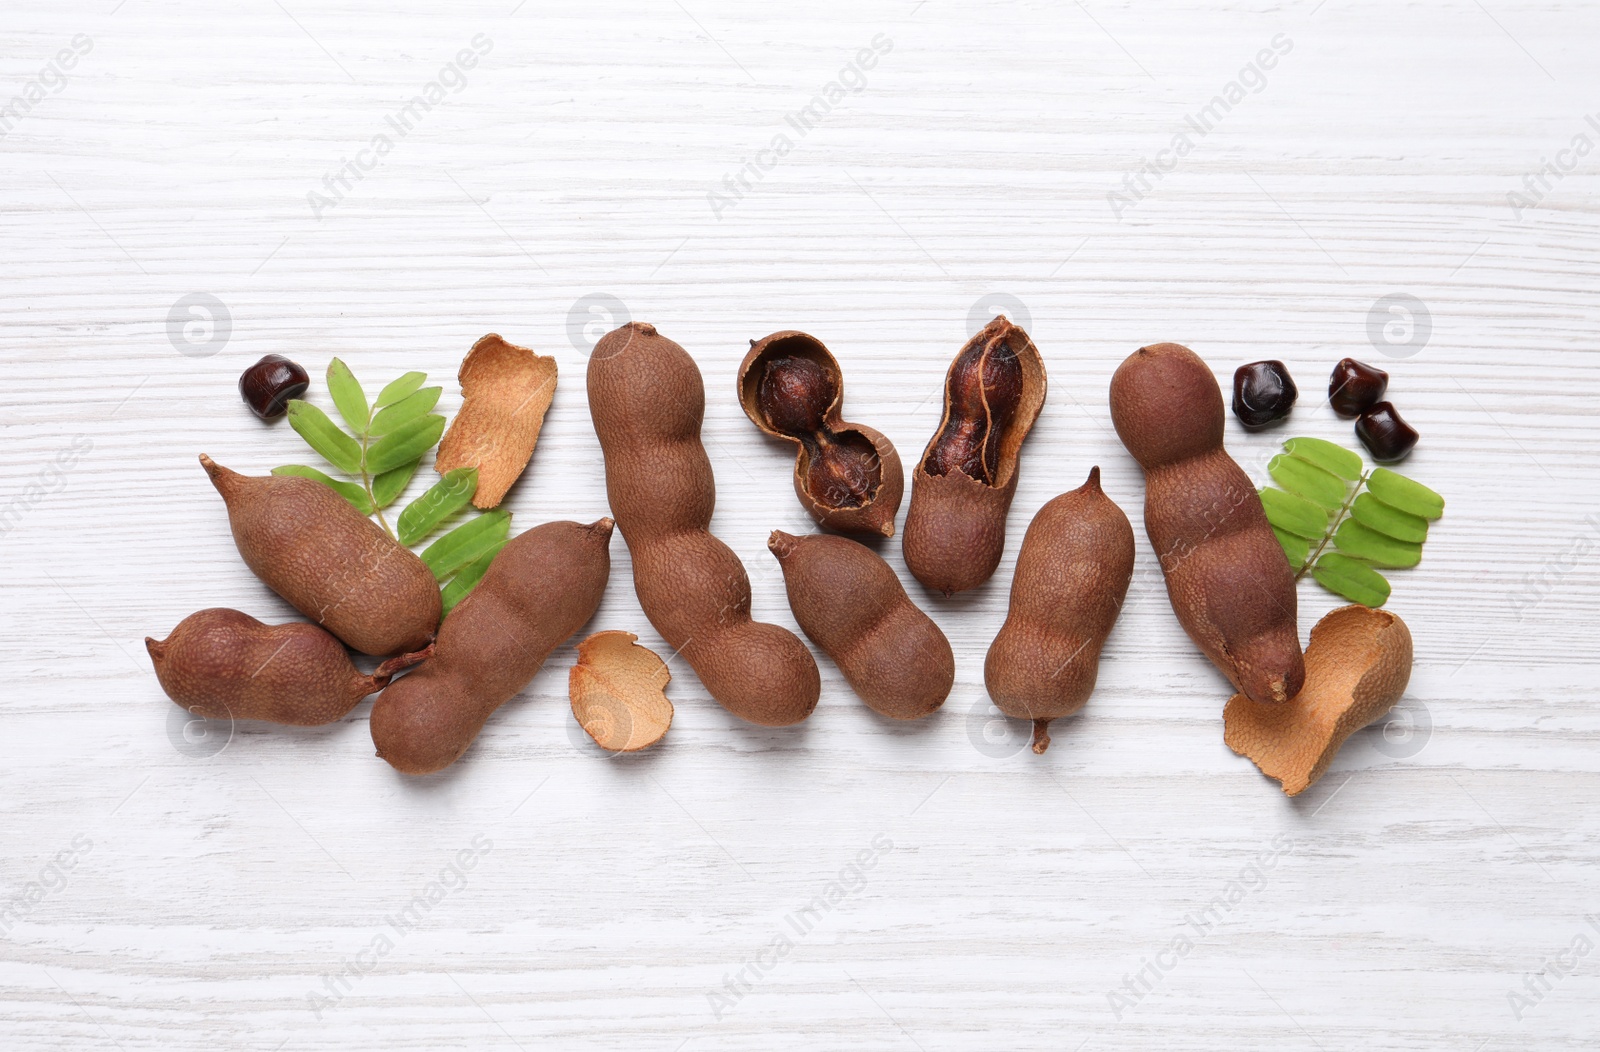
366,476
1338,520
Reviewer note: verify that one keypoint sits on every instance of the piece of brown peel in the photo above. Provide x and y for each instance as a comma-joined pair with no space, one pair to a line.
618,692
1357,667
505,392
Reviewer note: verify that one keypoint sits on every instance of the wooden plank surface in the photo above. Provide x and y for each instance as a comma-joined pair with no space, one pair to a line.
167,895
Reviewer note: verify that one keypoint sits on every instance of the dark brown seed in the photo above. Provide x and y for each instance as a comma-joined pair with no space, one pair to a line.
1355,387
1387,437
795,394
1263,393
268,385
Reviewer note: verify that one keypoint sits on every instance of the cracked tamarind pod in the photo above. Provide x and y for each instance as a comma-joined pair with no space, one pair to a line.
1227,578
1072,576
962,488
847,476
647,399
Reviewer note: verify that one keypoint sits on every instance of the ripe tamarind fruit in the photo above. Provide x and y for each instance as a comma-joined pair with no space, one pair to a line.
542,587
1072,575
221,664
852,605
333,564
962,487
647,399
847,476
1228,581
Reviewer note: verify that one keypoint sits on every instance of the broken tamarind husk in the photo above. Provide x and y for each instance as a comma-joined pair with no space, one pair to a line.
505,392
963,485
847,476
1357,666
618,692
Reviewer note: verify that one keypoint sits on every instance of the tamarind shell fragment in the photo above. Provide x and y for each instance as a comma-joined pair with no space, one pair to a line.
962,487
848,476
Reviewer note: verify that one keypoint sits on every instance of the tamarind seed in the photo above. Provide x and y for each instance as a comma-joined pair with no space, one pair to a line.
795,394
840,473
268,385
985,391
1387,437
1355,387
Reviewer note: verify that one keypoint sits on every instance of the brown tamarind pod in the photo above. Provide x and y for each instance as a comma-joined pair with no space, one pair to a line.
222,664
847,476
1229,584
332,563
962,488
647,399
852,605
1072,576
543,586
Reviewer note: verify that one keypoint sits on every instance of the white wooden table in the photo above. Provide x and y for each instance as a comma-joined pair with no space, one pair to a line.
165,895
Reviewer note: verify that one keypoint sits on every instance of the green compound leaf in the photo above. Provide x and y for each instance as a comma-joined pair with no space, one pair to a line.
1351,578
1379,549
324,436
389,485
467,579
1331,458
405,443
1295,515
1305,479
443,499
348,490
1373,513
467,543
348,396
399,389
1397,491
404,411
1296,548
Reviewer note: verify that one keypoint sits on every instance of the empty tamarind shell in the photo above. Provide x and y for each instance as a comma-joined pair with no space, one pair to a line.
1072,576
847,476
332,563
1358,664
852,605
962,487
221,663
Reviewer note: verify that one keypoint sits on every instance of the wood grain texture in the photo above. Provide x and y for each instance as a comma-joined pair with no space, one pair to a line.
240,898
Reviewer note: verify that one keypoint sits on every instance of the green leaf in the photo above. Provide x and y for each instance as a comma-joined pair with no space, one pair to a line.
467,542
348,490
467,579
1305,479
389,485
1293,514
1334,459
400,388
1351,578
442,500
1375,514
324,436
1397,491
1296,548
347,396
404,411
404,444
1376,548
